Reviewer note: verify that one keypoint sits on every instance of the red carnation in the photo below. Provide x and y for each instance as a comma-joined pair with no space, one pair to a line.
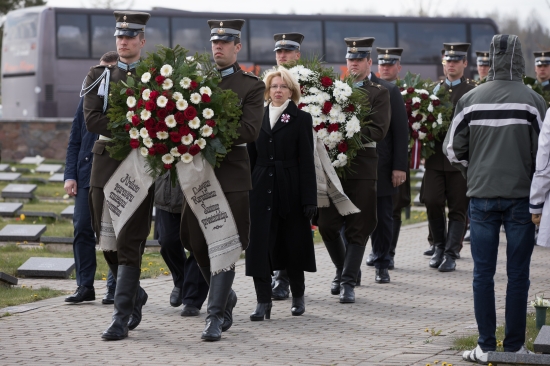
401,89
154,95
152,132
153,69
350,108
333,127
408,109
301,89
430,137
129,92
190,113
431,117
436,102
319,127
193,134
150,106
135,120
424,129
342,147
410,90
127,127
408,101
184,131
205,98
327,107
193,85
416,105
175,136
132,109
326,81
160,148
160,79
161,126
412,119
167,94
162,113
212,136
180,119
140,103
301,105
194,150
134,144
419,117
152,151
424,96
150,123
170,106
182,149
414,134
167,166
210,123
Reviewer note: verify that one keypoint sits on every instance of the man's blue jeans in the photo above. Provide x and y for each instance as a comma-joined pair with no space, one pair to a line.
486,216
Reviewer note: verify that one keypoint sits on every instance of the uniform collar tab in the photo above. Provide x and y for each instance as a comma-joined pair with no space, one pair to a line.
453,83
124,66
229,70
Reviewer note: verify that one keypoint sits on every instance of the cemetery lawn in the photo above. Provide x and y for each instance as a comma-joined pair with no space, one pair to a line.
13,256
416,217
48,190
467,343
13,296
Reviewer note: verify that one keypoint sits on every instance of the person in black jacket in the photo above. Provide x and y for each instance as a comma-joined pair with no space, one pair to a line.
284,195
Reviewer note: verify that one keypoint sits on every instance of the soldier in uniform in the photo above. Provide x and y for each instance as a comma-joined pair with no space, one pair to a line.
442,183
125,262
482,64
287,49
233,174
542,69
359,186
393,167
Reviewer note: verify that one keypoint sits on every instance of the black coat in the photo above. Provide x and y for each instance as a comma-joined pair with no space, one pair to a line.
283,182
393,149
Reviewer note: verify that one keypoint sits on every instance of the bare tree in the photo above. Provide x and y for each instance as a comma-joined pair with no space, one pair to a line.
112,4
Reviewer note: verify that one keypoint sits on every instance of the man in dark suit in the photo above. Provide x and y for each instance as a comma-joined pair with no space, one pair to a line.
542,69
359,186
233,173
392,167
78,166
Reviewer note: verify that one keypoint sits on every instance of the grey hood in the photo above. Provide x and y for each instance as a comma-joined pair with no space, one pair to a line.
506,58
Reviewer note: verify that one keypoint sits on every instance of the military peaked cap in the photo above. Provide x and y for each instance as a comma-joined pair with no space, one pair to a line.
288,41
542,58
130,23
359,47
388,56
482,58
456,51
225,30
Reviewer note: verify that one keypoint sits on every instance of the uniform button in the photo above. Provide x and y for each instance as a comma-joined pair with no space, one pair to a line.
270,140
269,191
269,208
86,159
270,157
129,73
270,174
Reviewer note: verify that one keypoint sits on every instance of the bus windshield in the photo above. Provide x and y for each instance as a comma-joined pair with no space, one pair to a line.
20,42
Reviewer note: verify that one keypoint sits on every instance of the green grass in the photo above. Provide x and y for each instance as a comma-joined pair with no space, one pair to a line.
13,256
48,190
469,342
38,206
13,296
416,217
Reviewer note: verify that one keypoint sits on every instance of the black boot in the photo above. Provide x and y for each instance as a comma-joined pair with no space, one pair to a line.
337,252
298,306
382,275
396,231
281,290
220,289
176,297
127,284
354,258
141,299
430,251
263,309
228,313
453,246
437,228
370,259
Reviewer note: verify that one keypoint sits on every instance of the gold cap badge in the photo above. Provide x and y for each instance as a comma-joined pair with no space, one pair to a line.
353,49
124,24
283,42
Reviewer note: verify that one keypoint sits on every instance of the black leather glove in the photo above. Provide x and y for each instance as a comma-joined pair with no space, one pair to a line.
310,211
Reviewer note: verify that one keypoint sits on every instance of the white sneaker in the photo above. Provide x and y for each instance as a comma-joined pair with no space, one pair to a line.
524,351
476,355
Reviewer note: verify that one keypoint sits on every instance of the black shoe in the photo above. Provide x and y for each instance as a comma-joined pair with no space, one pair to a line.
335,285
370,259
135,318
280,291
430,251
382,275
350,273
438,229
392,263
109,297
437,258
220,291
81,294
228,313
337,252
190,310
298,306
175,297
263,309
448,264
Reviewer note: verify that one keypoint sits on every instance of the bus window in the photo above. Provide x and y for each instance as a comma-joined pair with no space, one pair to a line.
262,31
20,27
482,34
103,39
72,36
156,33
422,41
335,32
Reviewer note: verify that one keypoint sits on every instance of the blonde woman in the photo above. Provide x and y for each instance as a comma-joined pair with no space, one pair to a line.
284,195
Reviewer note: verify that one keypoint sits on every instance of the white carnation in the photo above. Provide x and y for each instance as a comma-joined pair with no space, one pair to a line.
187,158
421,135
317,121
315,110
167,84
322,133
161,101
314,90
129,116
206,131
134,133
166,70
414,113
146,77
174,151
430,108
162,135
422,91
148,142
195,123
433,97
145,115
185,83
131,102
205,90
416,100
439,118
170,121
208,113
195,98
181,104
177,96
342,157
416,126
144,151
146,94
404,92
187,139
201,142
143,133
434,125
335,136
167,159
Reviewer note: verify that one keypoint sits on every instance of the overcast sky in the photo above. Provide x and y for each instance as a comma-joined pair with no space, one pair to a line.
522,9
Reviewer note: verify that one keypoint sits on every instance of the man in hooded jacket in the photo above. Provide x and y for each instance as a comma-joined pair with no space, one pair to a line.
493,141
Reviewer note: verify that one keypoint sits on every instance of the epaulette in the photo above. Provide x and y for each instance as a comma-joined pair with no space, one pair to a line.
376,85
471,82
248,73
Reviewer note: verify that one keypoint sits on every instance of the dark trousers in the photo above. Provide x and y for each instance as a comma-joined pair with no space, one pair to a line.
185,271
383,233
263,285
359,226
133,236
440,187
84,240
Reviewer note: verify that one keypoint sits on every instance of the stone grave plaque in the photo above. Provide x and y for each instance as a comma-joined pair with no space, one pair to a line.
10,280
8,209
542,343
47,267
48,168
58,177
419,175
9,177
68,212
515,359
36,160
19,191
4,167
22,232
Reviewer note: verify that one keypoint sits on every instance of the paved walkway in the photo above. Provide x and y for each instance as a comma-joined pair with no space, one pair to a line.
386,326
